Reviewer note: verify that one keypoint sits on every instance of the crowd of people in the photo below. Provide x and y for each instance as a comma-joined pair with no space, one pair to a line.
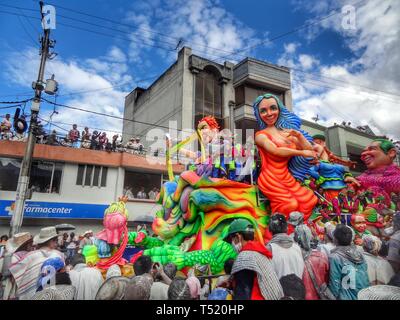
294,265
95,140
141,194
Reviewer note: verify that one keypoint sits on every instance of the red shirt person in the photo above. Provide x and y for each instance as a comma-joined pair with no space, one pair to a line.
316,262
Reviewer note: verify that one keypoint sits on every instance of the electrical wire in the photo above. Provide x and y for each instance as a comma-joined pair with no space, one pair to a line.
110,116
232,53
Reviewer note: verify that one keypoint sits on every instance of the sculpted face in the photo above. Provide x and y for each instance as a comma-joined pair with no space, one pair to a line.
374,157
319,150
207,133
320,142
269,111
359,223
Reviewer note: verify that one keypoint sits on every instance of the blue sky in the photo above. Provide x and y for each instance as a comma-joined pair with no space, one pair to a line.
337,73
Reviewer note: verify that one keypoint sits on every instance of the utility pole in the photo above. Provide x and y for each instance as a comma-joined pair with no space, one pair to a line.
24,175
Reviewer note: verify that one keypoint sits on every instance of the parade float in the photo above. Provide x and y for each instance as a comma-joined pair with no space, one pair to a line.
296,173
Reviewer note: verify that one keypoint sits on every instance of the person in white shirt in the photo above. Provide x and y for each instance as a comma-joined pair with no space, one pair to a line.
86,280
128,193
379,270
141,194
328,246
287,257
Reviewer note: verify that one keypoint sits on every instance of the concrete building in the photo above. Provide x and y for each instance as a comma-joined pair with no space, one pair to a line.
194,87
76,185
344,141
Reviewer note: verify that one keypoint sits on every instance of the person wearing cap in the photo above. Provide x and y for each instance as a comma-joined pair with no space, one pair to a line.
252,272
86,239
16,249
27,271
130,145
296,218
287,257
316,263
328,244
379,269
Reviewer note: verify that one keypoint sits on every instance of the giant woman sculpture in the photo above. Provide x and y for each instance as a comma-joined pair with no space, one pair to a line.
283,150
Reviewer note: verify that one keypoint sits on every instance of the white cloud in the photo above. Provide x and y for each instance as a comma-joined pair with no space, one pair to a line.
307,61
204,25
344,92
291,47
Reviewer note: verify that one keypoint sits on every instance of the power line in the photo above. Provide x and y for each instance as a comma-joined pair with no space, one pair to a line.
9,107
344,82
15,102
95,32
110,116
295,30
334,86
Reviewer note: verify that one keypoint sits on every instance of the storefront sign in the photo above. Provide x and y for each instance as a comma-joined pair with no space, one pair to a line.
35,209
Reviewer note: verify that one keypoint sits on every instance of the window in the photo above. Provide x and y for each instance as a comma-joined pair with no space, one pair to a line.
9,173
208,95
45,177
139,185
91,176
360,166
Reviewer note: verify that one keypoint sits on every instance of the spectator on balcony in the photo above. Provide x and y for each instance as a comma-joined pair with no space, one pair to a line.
103,140
128,192
141,194
114,143
52,138
5,127
138,146
66,142
73,136
153,194
94,142
85,142
130,145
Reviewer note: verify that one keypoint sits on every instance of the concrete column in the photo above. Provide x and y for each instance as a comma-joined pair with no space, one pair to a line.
187,88
119,183
337,141
288,99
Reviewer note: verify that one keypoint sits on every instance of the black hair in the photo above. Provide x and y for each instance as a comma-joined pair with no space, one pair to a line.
78,258
384,250
395,281
228,266
63,278
247,235
142,265
293,287
343,235
4,237
278,224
